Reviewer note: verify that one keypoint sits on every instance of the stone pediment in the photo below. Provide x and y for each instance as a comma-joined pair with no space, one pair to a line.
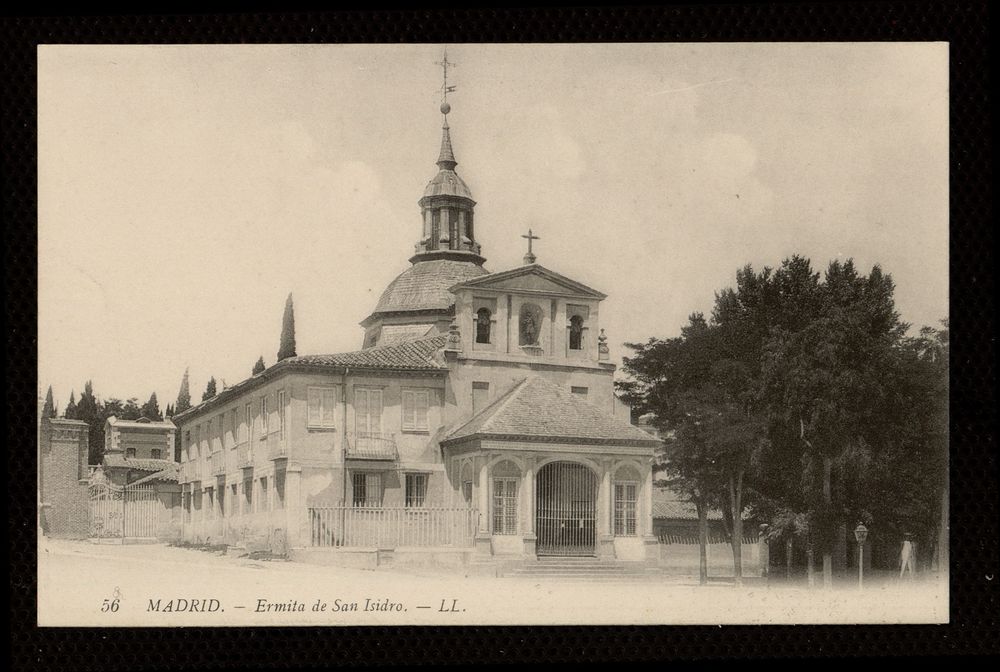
531,279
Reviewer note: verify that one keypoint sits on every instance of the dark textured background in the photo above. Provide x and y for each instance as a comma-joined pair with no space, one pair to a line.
975,609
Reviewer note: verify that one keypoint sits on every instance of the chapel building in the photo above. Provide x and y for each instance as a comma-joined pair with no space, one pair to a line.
478,419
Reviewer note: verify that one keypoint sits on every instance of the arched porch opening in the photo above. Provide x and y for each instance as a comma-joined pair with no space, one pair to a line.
566,509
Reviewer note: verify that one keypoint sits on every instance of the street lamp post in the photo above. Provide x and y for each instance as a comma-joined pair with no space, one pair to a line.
861,533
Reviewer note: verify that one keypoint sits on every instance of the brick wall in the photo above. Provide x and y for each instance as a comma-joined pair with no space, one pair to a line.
63,474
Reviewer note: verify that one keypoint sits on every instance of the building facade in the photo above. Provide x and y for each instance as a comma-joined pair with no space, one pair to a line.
479,415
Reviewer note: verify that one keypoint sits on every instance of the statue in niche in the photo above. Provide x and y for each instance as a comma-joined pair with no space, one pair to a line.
530,324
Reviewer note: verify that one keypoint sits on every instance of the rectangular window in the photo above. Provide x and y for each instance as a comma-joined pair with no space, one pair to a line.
264,500
368,411
222,501
247,423
210,502
232,421
279,489
234,502
248,496
625,508
222,431
197,442
416,490
504,506
367,489
480,395
263,417
281,414
322,405
582,391
415,406
156,454
130,452
467,492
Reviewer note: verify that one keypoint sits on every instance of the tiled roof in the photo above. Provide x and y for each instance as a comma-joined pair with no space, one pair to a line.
667,503
169,475
149,424
417,355
409,355
537,407
424,286
119,461
391,334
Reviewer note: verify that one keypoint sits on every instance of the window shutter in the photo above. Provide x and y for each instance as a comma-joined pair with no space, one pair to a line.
409,410
361,407
314,407
422,402
375,411
329,402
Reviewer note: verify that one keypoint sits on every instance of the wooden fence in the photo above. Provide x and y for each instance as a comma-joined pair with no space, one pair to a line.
372,527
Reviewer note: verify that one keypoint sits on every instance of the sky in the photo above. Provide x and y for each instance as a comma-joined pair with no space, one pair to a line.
185,190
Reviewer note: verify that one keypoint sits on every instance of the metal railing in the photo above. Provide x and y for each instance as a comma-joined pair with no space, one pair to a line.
218,463
244,455
346,526
276,447
372,446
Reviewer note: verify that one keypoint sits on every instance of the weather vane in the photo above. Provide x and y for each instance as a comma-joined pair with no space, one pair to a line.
445,89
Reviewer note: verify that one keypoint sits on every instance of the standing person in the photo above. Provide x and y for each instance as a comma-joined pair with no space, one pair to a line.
906,559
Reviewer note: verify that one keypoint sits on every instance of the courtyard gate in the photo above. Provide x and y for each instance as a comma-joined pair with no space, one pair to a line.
119,513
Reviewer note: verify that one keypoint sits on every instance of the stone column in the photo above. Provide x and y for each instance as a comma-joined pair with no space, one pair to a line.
652,548
484,544
296,514
605,532
528,506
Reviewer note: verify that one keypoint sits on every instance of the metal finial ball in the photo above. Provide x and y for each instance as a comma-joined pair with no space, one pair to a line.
445,108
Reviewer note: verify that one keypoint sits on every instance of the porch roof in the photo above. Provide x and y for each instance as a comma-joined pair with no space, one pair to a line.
118,461
538,409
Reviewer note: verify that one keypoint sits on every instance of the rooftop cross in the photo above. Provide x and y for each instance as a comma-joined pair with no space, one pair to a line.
529,258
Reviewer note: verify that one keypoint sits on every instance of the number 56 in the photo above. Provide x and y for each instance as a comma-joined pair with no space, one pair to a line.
109,605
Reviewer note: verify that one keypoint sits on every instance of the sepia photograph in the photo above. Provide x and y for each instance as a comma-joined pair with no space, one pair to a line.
493,334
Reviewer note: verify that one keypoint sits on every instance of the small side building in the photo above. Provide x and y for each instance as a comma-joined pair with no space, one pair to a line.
135,449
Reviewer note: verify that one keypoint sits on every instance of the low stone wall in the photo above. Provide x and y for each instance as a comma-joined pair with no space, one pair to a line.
684,559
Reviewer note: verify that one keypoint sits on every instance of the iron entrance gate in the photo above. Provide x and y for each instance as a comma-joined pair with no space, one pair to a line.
566,511
119,513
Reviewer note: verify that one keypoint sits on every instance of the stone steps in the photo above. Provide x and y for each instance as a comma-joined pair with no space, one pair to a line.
590,569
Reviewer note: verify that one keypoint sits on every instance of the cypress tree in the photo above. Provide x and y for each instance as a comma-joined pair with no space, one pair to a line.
209,389
259,366
151,409
184,395
286,348
49,409
71,407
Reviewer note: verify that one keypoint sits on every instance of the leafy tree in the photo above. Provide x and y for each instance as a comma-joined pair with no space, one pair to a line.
210,390
286,348
183,395
71,410
259,367
151,409
49,408
706,400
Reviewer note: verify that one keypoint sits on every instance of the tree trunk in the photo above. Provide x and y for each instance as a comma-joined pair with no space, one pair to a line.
702,542
827,501
810,571
788,558
736,538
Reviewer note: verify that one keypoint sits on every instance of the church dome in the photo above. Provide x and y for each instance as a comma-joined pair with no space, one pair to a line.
447,183
424,286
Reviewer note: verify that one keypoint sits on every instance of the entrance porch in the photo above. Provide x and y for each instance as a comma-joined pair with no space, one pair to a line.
557,501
